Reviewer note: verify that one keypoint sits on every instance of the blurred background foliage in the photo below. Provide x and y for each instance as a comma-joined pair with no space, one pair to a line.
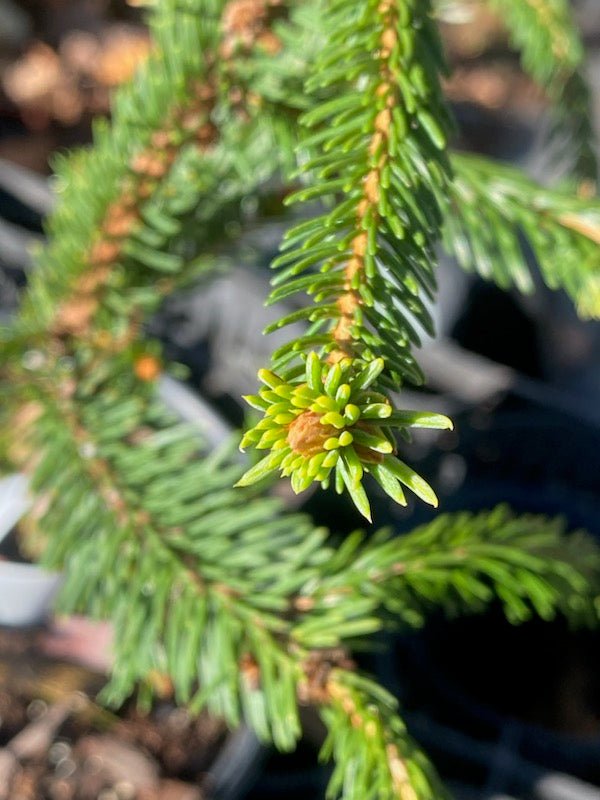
535,392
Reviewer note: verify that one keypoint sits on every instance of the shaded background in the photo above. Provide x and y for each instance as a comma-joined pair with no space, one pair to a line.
503,711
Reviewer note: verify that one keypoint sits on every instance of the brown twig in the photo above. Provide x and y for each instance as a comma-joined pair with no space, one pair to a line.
244,24
350,301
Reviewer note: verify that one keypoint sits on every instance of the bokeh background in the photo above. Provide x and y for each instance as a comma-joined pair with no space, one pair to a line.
504,712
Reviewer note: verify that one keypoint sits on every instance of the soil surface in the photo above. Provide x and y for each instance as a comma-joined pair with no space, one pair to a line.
57,743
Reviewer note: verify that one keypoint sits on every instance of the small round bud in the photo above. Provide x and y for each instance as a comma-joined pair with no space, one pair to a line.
147,367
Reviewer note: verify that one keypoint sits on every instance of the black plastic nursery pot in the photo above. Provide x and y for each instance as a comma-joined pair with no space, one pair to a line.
501,707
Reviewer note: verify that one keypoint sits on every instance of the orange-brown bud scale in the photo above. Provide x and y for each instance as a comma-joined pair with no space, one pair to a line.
140,162
389,38
372,186
352,268
306,434
92,279
128,197
104,252
343,350
359,244
343,336
146,189
270,43
349,302
206,134
192,120
161,139
383,120
147,368
120,223
73,316
376,143
157,168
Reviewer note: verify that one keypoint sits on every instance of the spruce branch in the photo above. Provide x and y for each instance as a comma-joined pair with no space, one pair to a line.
461,562
377,145
136,210
465,561
204,610
218,593
546,35
361,717
496,217
152,536
239,605
102,188
156,190
377,138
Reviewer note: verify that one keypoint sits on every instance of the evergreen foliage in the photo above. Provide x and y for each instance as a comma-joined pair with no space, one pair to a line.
489,228
544,32
377,144
248,609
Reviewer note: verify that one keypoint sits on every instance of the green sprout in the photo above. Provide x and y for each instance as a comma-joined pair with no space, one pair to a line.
335,422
